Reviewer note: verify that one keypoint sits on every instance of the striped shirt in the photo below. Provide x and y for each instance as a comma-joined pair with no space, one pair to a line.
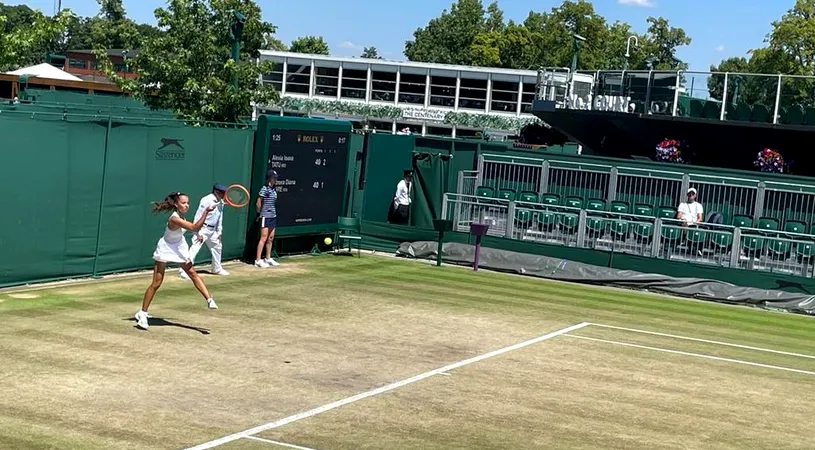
268,204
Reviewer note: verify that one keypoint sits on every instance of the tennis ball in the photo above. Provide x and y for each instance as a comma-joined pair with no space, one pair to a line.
327,241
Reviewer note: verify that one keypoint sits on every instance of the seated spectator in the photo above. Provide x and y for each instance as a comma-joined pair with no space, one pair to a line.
690,212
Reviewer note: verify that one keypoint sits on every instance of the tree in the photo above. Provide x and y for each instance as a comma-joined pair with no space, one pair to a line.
271,42
370,53
449,38
790,50
188,67
314,45
469,34
29,43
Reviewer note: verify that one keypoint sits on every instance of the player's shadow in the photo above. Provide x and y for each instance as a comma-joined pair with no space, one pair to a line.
159,322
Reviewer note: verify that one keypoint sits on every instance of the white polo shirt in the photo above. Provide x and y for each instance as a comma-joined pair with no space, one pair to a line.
215,218
402,196
689,212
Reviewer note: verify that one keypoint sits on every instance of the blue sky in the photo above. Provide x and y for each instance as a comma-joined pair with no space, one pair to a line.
719,28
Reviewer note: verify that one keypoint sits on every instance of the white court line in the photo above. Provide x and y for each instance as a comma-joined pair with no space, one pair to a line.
282,444
383,389
698,355
706,341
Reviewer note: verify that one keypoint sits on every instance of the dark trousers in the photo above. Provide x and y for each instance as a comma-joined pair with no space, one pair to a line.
399,214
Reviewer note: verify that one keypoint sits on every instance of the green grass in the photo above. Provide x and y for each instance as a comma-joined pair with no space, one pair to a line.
325,328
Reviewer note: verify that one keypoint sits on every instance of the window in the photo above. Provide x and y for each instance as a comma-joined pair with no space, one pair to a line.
442,91
298,78
472,94
354,83
275,77
326,81
412,88
528,97
504,97
383,86
468,133
386,127
78,64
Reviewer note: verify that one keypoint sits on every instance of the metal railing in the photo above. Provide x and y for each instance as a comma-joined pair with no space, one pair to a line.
656,237
736,96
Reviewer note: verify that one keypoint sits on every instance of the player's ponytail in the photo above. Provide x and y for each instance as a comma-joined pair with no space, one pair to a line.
169,203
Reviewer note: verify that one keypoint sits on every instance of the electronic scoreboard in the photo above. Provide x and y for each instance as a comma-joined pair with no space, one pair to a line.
311,169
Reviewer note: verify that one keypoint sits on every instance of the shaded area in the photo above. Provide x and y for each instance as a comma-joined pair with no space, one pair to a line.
160,322
565,270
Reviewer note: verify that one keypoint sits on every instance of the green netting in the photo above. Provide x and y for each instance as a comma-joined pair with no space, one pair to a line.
430,181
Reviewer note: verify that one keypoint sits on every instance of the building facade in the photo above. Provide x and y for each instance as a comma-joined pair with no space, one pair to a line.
390,96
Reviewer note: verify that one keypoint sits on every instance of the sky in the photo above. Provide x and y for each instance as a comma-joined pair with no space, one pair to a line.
718,28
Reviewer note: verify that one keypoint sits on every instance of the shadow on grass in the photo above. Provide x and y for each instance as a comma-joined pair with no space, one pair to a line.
159,322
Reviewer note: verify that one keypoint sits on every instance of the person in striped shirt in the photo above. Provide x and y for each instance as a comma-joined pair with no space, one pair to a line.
267,215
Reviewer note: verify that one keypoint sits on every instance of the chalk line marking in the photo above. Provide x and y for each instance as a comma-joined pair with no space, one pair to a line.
383,389
282,444
697,355
706,341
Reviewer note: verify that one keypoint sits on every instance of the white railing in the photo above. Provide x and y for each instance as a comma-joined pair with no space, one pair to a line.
663,238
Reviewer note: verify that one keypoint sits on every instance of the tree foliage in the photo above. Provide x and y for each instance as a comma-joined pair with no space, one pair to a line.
471,34
370,53
188,66
28,36
315,45
790,50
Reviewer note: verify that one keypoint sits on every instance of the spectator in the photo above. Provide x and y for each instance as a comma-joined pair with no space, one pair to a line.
690,212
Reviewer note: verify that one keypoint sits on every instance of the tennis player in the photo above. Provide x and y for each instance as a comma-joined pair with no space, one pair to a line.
172,248
212,231
267,209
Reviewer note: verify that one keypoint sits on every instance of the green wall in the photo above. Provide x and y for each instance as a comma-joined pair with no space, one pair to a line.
80,191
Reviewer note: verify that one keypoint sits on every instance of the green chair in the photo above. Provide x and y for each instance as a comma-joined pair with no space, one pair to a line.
712,110
550,199
795,115
643,231
743,112
527,197
779,249
595,204
721,241
767,224
696,237
485,192
666,212
506,194
805,250
741,221
642,209
761,114
546,219
697,108
809,116
573,202
348,230
619,206
568,223
752,244
794,226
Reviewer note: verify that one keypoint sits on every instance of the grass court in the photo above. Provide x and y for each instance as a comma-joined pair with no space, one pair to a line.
379,353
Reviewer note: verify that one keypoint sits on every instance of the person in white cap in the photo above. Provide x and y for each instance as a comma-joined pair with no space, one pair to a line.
690,212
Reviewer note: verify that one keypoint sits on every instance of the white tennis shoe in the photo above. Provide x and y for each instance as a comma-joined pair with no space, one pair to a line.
271,262
211,304
261,263
141,320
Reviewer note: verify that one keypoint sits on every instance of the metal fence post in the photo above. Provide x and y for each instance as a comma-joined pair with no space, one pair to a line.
479,175
685,186
723,113
777,99
735,252
460,191
543,188
656,241
676,92
581,229
612,184
759,208
444,206
510,227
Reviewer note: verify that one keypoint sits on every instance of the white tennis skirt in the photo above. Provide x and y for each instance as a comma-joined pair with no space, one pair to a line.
172,252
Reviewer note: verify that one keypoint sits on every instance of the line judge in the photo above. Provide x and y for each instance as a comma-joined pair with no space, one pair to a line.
400,206
212,230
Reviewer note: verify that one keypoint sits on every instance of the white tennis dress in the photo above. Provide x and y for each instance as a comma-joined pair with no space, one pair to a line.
172,247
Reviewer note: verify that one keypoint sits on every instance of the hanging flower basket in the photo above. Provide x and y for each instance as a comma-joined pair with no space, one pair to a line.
668,151
769,160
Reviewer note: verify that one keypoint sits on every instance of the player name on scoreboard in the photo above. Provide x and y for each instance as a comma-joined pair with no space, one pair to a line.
311,169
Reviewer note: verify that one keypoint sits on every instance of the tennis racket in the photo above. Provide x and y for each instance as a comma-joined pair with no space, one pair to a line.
236,196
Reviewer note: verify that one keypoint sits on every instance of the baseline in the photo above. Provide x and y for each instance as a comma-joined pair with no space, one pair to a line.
383,389
280,444
705,341
697,355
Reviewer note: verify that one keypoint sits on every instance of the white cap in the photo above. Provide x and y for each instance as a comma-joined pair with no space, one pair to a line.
692,190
